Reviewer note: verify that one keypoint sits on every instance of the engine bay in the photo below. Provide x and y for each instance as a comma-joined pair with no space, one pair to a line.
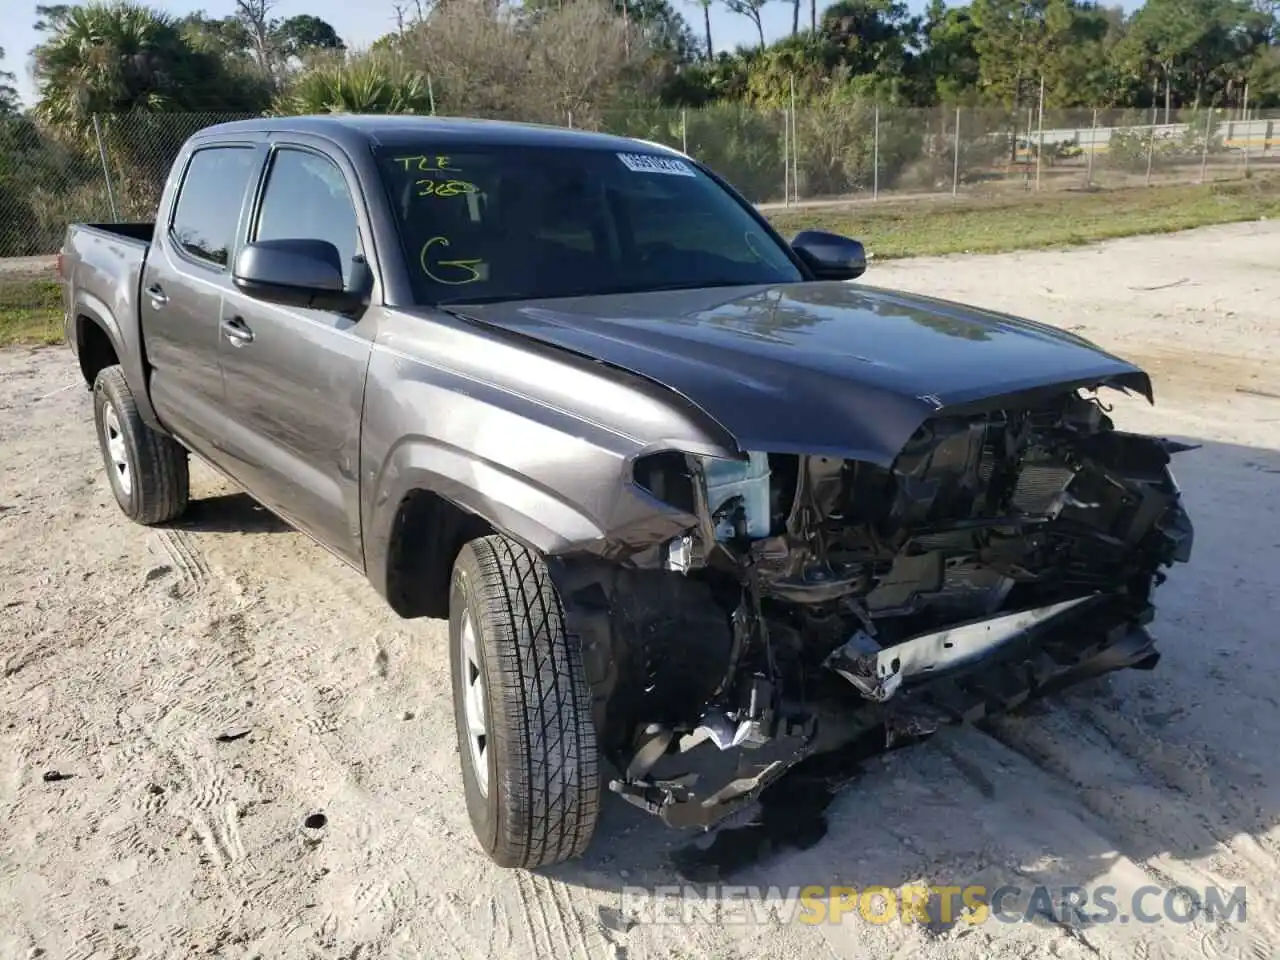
1032,535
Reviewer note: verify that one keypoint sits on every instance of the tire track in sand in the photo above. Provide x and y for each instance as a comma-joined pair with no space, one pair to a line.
550,918
1158,822
186,558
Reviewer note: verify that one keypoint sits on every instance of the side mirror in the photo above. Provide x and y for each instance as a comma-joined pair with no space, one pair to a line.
294,273
830,256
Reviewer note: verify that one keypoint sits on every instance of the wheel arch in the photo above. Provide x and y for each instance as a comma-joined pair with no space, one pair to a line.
98,340
101,341
430,499
427,534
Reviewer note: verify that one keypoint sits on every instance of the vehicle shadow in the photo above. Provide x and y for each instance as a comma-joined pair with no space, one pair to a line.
1163,777
230,513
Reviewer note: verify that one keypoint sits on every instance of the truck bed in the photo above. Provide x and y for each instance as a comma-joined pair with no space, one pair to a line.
101,271
141,232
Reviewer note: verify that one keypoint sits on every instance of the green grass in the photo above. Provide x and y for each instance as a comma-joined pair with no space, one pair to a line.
30,311
1029,221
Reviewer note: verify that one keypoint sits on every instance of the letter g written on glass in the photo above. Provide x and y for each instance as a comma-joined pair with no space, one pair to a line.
450,272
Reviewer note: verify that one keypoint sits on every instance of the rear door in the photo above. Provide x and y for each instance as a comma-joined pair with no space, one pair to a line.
294,377
185,279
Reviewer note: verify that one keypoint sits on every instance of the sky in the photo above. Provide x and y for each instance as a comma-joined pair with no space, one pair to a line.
361,24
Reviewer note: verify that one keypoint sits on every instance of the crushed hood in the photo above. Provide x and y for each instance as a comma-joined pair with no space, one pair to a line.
820,368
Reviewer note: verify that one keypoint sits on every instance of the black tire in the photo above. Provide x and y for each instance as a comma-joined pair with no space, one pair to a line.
537,798
154,486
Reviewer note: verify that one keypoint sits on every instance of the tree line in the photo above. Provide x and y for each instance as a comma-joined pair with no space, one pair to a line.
150,78
1169,54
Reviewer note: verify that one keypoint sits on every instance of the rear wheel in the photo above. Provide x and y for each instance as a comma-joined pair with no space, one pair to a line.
147,470
522,708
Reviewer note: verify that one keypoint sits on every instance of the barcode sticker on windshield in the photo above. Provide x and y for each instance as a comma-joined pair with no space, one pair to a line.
648,163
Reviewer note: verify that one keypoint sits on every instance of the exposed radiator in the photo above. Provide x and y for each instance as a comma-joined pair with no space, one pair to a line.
1039,486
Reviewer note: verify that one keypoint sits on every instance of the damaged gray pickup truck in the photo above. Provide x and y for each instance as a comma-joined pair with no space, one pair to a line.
689,499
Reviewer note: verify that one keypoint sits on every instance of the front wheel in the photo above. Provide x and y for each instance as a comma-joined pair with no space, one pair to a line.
530,765
147,470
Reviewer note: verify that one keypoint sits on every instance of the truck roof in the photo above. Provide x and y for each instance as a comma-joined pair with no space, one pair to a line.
354,130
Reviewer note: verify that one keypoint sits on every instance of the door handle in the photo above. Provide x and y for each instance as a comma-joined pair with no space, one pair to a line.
158,297
237,331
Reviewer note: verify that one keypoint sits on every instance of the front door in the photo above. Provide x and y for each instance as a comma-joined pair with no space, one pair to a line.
293,378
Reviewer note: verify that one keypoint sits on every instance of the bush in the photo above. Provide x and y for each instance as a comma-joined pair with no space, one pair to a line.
836,146
742,144
37,172
1128,149
370,84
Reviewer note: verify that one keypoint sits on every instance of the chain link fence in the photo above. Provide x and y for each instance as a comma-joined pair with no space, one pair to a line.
115,167
112,169
868,152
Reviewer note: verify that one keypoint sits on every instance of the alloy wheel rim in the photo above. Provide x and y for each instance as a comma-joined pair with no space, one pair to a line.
474,709
117,449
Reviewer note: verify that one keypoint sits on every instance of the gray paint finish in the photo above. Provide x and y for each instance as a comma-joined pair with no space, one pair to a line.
816,368
105,270
528,414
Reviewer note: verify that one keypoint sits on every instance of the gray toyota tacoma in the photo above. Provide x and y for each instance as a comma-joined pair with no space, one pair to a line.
694,505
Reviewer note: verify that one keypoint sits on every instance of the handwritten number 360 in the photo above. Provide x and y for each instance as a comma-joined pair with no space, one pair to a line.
444,188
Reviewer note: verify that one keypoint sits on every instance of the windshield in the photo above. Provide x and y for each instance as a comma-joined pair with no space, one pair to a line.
503,223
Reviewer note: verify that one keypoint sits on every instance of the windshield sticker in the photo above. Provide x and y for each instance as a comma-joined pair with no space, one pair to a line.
648,163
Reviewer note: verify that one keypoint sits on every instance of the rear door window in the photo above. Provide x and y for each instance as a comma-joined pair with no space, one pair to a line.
208,208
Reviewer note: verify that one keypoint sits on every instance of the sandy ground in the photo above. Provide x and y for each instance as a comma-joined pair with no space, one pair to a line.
203,689
40,267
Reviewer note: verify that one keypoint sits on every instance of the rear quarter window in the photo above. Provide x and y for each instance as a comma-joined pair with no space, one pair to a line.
207,212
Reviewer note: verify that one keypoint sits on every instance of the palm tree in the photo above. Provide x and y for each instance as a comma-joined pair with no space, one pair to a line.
103,59
367,85
132,70
8,93
123,57
751,10
706,22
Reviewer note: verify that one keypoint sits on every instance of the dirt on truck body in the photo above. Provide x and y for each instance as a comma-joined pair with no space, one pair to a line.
673,480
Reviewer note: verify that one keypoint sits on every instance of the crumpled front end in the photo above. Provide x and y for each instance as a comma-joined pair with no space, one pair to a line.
1001,555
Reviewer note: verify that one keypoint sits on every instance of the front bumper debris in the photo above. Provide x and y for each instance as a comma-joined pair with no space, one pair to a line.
877,673
907,691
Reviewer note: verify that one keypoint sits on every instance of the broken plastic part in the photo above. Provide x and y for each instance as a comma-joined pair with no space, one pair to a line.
717,727
750,727
746,481
679,554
